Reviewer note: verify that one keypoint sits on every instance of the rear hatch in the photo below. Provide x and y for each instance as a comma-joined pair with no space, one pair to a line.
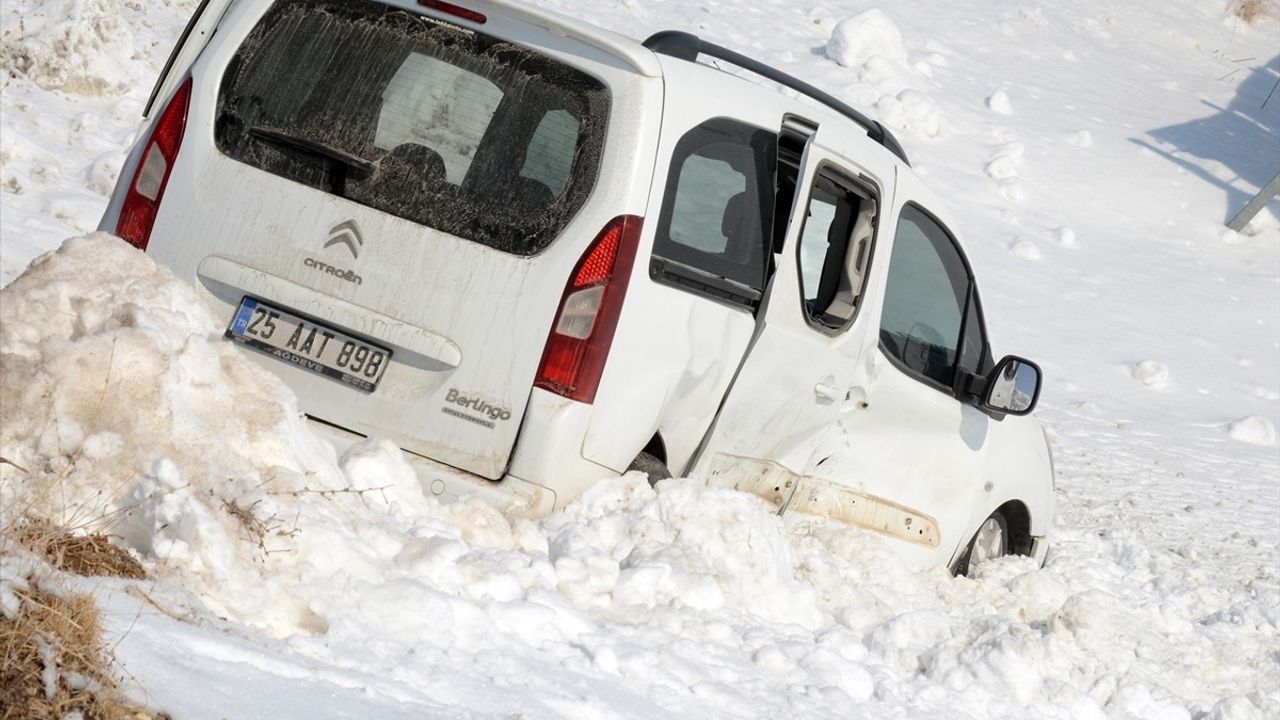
409,189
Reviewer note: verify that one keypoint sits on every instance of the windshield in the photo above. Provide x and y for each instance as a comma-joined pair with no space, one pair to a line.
434,123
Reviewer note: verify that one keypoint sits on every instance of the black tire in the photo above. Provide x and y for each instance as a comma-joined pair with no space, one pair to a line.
651,466
1001,549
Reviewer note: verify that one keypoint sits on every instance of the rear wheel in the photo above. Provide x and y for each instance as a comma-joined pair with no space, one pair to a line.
990,542
650,466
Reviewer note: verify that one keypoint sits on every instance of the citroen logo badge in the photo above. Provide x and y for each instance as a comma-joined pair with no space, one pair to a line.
347,233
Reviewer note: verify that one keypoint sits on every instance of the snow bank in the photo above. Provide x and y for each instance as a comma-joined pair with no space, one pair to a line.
125,410
79,46
130,414
123,397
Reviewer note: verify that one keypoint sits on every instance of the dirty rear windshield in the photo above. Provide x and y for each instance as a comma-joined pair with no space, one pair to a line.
434,123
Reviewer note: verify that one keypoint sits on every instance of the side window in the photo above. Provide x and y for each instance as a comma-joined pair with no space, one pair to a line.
716,208
924,303
835,246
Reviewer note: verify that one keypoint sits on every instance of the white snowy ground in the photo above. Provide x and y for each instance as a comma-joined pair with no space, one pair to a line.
1093,149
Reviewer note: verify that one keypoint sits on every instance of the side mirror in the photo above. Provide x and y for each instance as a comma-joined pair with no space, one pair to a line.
1013,387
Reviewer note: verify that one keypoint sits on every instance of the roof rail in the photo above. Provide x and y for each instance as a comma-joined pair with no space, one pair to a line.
687,46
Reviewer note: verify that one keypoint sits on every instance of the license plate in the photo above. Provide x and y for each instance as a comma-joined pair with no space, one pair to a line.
308,344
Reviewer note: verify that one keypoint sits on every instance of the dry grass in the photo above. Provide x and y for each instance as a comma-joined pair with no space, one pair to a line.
260,530
53,661
92,555
1255,12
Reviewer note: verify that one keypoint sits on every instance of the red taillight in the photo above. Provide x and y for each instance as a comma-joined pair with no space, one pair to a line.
588,315
142,202
450,9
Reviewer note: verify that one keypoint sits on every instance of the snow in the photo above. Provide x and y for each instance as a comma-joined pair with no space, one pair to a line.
1001,167
913,111
1025,249
868,35
1254,429
1066,237
1152,373
289,578
78,73
79,47
999,103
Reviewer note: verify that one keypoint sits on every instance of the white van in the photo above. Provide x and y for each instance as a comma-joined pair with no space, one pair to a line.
536,254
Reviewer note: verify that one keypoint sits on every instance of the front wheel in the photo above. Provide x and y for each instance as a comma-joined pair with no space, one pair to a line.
990,542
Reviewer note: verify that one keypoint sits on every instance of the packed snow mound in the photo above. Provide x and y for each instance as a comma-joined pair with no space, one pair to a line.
120,392
121,406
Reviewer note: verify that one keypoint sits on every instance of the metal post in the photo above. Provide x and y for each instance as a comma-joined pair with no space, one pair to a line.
1258,202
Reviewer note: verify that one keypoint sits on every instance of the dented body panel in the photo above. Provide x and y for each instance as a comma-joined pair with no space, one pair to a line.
789,492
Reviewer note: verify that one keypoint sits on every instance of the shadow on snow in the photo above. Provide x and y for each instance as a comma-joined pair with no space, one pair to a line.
1244,137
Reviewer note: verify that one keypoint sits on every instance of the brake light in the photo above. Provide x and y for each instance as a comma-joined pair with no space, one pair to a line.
450,9
142,202
578,345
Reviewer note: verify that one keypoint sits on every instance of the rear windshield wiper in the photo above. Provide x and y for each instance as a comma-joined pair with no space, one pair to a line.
363,167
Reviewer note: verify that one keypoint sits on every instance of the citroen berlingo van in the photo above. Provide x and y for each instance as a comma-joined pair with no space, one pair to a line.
536,254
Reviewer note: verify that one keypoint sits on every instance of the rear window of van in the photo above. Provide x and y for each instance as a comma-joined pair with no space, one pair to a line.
431,122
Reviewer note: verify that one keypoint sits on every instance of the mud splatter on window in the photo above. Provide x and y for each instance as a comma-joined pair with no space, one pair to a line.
438,124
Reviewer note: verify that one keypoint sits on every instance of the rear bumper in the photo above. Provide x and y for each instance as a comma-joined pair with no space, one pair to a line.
511,495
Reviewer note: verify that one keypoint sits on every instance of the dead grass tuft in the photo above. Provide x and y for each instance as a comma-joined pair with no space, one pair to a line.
53,662
1255,12
260,530
79,554
256,528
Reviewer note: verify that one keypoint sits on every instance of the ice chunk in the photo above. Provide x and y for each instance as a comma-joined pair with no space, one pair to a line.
866,35
999,103
1254,429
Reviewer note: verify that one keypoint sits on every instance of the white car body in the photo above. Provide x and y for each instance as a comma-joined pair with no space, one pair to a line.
741,394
